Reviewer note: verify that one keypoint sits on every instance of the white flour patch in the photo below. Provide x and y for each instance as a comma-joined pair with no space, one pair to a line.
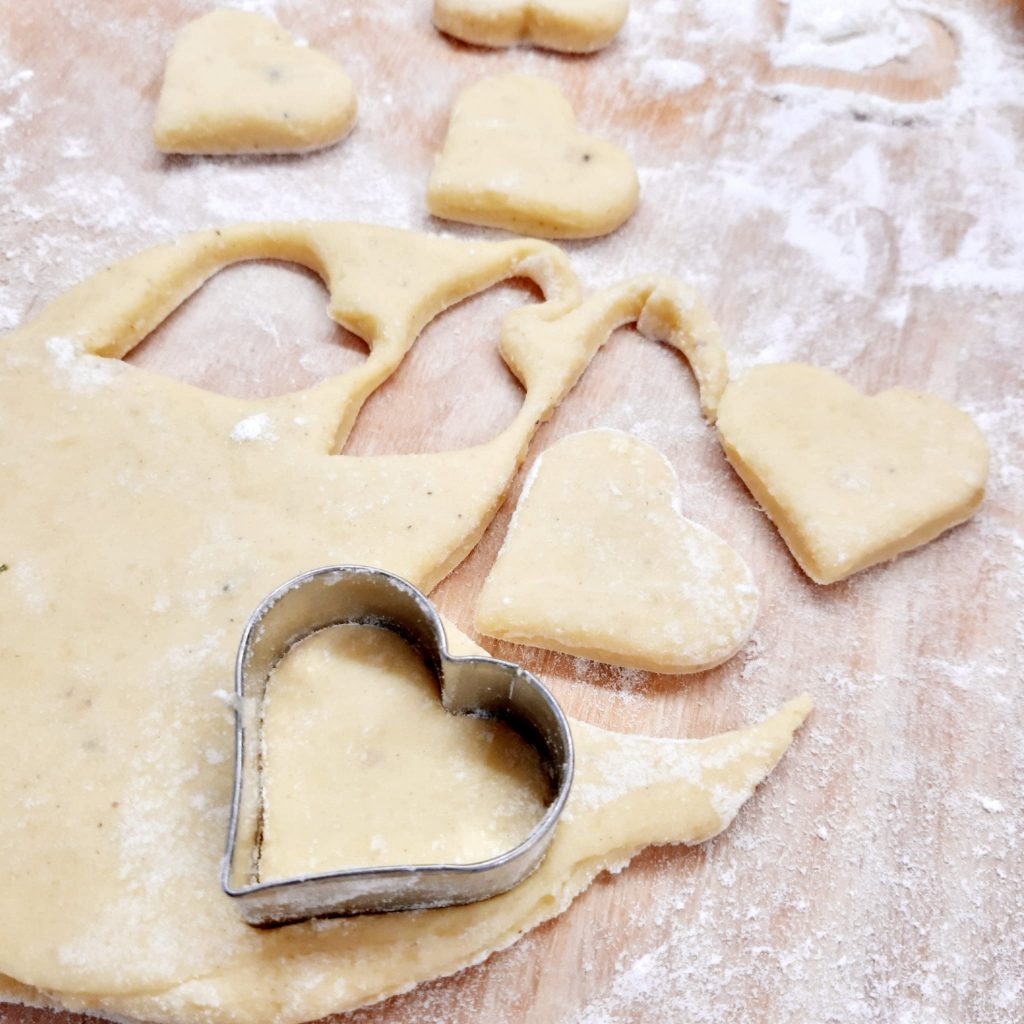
80,372
873,226
848,35
672,75
257,427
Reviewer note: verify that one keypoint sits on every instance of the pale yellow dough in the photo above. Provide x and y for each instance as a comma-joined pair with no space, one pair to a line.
600,562
515,158
144,519
850,480
353,713
572,26
238,83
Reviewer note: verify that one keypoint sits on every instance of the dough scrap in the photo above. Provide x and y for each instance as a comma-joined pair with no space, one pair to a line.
850,480
599,562
141,527
515,158
353,713
571,26
238,83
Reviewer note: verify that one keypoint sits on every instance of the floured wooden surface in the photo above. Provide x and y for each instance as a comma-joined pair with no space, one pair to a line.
876,877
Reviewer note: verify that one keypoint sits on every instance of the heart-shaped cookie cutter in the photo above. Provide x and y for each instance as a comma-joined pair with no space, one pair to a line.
480,686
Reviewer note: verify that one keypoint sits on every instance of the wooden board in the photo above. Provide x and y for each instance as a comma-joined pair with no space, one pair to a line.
868,222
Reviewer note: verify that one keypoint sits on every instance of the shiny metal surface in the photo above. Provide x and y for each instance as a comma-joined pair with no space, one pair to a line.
474,686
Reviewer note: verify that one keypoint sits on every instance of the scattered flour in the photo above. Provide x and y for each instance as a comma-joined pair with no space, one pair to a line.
669,74
876,877
848,35
256,427
78,371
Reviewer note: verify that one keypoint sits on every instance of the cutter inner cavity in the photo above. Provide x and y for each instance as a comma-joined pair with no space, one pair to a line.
362,766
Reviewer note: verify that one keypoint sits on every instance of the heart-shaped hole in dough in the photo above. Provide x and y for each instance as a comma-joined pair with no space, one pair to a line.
253,330
440,399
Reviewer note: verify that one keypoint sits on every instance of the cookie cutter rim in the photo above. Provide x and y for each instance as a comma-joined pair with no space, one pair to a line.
476,685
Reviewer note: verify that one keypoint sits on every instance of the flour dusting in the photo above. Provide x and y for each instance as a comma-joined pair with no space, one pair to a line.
848,35
875,878
257,427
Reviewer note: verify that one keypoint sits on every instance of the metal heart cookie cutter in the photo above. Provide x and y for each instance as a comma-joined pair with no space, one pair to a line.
478,686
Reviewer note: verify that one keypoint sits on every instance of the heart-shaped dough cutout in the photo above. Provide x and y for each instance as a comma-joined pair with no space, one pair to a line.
238,83
572,26
363,767
515,158
850,480
600,562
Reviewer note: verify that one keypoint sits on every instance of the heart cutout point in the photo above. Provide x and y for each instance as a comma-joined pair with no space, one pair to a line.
570,26
238,83
599,562
515,158
850,480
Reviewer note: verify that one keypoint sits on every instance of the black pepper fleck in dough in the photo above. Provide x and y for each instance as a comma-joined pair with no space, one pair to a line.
4,567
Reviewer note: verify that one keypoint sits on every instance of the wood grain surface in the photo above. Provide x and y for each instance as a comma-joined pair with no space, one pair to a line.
868,222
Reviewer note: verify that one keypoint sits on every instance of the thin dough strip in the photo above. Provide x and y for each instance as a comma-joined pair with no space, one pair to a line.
662,308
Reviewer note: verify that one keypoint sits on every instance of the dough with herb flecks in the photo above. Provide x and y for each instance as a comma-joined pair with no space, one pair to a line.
572,26
144,519
850,480
599,562
238,83
515,158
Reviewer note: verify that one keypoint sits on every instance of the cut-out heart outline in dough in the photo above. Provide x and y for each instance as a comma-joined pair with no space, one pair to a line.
515,158
570,26
239,83
599,562
850,480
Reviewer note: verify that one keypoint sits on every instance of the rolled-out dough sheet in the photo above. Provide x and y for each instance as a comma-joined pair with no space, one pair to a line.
145,518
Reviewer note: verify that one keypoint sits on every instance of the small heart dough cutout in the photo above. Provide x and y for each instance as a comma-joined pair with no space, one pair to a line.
850,480
599,562
515,158
238,83
572,26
